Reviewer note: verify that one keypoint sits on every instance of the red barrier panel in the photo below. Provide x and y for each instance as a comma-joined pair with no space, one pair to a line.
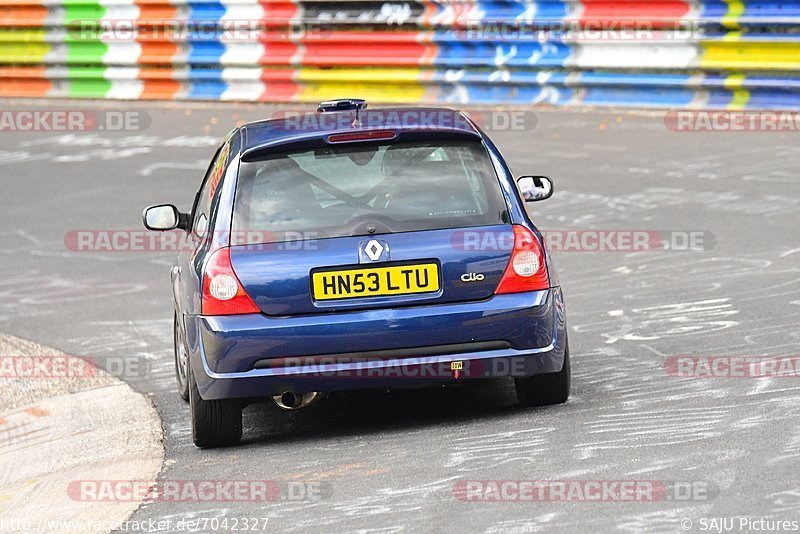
656,13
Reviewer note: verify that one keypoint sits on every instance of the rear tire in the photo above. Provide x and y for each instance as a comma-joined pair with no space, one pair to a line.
215,423
545,389
181,360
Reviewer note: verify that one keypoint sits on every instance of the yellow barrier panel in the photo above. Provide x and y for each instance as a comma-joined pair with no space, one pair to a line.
749,55
401,94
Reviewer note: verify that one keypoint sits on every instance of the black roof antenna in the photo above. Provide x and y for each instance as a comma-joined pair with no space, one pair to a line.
344,104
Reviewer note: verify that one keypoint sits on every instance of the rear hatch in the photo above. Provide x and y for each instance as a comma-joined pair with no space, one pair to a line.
370,225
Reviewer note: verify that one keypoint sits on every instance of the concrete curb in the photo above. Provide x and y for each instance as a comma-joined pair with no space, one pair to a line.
66,434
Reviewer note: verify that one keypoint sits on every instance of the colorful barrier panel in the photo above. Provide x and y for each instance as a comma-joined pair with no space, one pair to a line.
647,53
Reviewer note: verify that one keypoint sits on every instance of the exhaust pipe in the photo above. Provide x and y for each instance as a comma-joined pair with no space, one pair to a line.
289,400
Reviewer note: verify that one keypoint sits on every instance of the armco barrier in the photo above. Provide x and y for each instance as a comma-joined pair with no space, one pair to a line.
651,53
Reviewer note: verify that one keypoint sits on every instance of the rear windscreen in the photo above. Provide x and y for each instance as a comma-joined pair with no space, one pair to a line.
359,189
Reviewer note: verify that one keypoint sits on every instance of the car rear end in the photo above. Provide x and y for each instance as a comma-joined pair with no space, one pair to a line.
378,257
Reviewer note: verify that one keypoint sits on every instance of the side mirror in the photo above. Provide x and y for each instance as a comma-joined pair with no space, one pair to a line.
164,217
535,188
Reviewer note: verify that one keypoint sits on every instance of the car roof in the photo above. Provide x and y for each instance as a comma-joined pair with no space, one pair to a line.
291,126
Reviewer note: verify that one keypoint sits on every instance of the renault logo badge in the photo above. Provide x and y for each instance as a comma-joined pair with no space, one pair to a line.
373,250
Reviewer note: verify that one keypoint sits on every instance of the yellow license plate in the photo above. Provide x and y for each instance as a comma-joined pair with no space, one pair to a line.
376,281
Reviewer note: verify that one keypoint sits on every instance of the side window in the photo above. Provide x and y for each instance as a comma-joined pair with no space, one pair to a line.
211,181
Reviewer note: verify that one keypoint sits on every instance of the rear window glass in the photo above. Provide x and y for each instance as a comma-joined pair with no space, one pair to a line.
351,190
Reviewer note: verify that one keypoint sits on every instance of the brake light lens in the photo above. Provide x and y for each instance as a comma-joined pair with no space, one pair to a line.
526,270
223,294
361,136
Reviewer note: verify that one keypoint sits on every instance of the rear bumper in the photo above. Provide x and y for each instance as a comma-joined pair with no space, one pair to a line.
255,355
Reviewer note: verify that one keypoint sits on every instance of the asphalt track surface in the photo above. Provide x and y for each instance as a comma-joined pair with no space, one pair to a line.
389,462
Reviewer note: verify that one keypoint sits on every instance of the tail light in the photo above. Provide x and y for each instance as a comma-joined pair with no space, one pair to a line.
223,293
526,270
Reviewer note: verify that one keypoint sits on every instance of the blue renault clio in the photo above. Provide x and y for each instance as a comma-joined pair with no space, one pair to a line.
354,248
